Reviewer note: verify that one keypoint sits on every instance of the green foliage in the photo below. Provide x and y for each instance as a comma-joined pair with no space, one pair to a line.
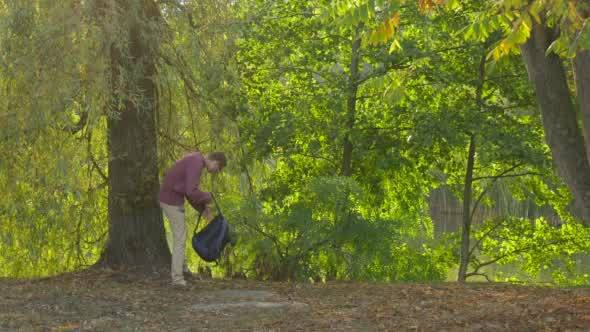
270,83
322,234
52,210
515,19
53,161
537,247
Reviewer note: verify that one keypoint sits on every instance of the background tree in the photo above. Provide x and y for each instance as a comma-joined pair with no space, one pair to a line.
544,31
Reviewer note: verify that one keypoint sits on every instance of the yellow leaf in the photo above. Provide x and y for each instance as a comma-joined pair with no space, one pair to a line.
394,21
527,21
395,46
572,12
388,31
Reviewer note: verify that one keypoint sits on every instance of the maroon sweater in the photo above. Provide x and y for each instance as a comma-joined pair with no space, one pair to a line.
182,180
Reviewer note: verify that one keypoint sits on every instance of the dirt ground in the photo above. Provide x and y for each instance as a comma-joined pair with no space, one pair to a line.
109,301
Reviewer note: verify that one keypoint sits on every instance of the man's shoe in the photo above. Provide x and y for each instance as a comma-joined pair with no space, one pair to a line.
179,283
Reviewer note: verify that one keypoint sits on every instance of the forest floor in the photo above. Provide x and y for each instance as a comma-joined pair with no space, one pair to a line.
109,301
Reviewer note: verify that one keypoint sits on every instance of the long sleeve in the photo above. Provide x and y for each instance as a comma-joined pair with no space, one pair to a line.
197,198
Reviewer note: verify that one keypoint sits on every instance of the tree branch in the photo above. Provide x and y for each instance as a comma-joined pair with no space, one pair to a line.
190,82
513,252
484,236
507,176
312,248
316,157
273,238
102,174
478,274
404,64
494,179
182,145
95,164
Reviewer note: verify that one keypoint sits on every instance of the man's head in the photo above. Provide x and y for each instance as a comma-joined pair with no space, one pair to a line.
215,161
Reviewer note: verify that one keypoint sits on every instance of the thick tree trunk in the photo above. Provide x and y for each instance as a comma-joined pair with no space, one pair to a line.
136,230
353,85
562,132
582,75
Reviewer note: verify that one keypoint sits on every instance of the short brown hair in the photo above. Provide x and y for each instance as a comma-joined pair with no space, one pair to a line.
219,157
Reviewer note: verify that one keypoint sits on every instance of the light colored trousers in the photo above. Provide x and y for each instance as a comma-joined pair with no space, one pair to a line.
175,215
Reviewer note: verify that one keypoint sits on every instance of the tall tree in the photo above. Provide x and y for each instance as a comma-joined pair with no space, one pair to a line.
562,131
136,230
549,33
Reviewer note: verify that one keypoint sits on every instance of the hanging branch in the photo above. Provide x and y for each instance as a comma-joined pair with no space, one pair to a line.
93,160
190,111
182,145
170,105
489,186
188,80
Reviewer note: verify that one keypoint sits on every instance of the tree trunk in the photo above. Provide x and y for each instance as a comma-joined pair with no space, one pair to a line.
582,75
136,229
559,117
353,85
466,230
468,186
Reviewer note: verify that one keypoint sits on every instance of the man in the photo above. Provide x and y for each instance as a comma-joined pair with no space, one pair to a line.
182,180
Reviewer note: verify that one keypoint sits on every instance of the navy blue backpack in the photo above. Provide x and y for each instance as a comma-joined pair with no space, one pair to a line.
209,242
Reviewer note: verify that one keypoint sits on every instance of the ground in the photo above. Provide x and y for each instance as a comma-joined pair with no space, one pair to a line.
111,301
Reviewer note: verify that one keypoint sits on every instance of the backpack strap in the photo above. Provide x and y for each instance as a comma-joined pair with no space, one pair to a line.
201,213
216,204
198,222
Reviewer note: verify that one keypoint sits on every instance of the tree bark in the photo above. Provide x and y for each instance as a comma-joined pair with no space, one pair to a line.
468,186
353,85
562,133
582,76
136,229
466,229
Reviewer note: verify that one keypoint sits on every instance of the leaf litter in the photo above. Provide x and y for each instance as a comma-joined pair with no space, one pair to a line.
95,300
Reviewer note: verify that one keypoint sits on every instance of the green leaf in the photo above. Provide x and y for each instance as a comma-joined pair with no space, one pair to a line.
395,46
535,8
552,47
364,13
